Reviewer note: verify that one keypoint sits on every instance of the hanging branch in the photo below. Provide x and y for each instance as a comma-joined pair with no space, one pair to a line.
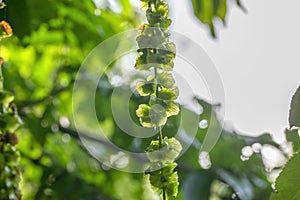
156,55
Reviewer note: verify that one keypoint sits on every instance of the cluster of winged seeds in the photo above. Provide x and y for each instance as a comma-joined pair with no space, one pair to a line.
156,55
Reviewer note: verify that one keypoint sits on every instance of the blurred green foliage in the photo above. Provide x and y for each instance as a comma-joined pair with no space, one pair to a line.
51,39
210,11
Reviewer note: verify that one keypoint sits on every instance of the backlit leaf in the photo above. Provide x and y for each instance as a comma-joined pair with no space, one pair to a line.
167,94
158,115
166,153
287,184
171,108
145,88
165,79
143,113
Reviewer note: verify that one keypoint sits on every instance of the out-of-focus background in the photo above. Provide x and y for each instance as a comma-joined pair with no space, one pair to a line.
255,55
257,58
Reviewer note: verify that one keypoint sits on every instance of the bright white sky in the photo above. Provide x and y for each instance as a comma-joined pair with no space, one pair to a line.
258,58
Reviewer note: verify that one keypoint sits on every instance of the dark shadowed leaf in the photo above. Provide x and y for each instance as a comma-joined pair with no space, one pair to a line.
294,115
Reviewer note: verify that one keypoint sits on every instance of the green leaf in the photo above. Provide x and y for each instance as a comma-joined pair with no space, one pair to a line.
145,88
203,10
293,136
208,11
143,112
287,184
155,179
128,9
154,58
157,16
165,178
141,63
9,122
220,8
158,115
171,108
161,57
169,169
165,23
154,116
168,66
238,2
169,151
149,1
168,94
294,115
173,145
18,12
172,186
165,79
6,97
150,37
171,47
